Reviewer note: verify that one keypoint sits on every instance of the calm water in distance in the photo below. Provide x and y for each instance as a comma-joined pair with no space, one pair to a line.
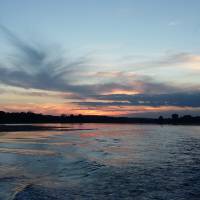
140,162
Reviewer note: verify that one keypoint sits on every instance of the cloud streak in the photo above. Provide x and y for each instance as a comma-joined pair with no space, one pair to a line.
39,68
155,100
34,66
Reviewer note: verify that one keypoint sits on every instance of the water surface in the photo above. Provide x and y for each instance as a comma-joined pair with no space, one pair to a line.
109,161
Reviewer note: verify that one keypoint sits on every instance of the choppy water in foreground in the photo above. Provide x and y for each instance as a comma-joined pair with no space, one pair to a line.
140,162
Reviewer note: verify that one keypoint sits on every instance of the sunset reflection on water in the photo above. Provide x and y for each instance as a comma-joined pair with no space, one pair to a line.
100,160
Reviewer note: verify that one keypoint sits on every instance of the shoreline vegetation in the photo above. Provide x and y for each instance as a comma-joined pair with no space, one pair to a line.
34,118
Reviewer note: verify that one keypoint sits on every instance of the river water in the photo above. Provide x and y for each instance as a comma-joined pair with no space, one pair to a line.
107,161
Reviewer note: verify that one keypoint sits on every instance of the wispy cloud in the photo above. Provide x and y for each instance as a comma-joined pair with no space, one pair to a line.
35,66
185,99
174,23
179,60
38,67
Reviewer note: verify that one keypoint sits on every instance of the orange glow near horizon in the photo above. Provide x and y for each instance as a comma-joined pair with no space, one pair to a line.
58,109
120,91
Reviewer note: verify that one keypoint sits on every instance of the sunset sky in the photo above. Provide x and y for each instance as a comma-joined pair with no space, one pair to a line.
102,57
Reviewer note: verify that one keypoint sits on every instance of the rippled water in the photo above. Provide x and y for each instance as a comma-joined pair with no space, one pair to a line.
140,162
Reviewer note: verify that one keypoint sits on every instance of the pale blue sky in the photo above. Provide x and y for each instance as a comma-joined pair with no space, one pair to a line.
134,26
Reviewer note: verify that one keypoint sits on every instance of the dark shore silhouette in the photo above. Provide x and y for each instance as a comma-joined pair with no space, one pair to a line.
29,117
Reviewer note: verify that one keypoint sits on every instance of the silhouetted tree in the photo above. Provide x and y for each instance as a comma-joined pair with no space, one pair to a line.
175,116
160,119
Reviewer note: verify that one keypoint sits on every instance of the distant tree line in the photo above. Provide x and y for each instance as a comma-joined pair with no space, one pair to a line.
30,117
